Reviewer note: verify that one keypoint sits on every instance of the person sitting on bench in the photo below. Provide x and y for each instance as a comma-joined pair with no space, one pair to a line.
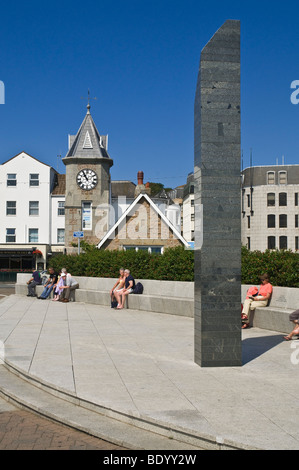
259,300
129,287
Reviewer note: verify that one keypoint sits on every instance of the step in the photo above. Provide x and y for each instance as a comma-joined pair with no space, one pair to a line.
33,396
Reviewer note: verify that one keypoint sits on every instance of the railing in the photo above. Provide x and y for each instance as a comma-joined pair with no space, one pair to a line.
8,276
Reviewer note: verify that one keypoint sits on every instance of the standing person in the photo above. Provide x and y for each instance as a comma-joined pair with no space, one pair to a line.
70,284
294,317
49,284
32,283
118,287
129,287
260,300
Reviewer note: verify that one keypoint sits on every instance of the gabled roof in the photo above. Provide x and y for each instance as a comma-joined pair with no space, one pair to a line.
129,211
42,163
88,142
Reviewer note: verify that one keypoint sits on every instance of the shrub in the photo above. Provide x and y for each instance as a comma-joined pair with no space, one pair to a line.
282,266
177,264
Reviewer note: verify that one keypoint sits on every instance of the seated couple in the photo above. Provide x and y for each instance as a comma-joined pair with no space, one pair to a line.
65,284
123,287
256,298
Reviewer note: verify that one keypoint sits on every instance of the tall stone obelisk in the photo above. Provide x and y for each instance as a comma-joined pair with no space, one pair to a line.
217,136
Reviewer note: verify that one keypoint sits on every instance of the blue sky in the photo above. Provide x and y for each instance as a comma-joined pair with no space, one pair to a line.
140,59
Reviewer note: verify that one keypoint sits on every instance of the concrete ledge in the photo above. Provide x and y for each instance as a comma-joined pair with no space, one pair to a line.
171,297
177,298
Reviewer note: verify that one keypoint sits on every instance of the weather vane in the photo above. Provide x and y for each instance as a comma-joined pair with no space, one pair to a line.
88,99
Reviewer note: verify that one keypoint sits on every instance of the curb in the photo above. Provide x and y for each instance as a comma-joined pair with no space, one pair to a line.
116,426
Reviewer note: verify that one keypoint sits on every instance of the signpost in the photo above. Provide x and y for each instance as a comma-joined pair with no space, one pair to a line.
78,235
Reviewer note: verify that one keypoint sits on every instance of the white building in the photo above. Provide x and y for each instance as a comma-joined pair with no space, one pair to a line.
188,209
270,210
28,212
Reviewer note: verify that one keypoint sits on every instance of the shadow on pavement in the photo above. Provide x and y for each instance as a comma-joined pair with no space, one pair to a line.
255,347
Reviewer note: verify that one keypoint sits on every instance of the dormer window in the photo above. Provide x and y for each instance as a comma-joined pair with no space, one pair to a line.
282,177
271,177
87,141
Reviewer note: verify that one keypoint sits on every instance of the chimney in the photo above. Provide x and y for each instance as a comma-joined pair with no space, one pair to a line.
140,176
141,188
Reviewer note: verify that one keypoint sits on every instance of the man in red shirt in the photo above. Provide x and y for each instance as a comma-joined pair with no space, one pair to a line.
261,300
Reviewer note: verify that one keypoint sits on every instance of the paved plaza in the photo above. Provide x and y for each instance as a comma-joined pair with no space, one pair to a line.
136,368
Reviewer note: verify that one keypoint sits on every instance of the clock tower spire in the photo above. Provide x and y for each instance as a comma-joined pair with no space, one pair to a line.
87,180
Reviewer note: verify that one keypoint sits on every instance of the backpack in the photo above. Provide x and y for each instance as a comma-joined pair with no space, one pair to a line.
138,288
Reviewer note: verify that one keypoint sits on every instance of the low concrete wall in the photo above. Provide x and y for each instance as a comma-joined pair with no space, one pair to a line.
177,298
172,297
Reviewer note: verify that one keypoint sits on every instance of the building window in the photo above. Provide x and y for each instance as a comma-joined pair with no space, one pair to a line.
60,235
271,221
283,243
33,208
86,216
149,249
248,243
271,199
10,235
192,202
34,179
271,243
271,177
283,199
248,200
296,221
296,243
283,221
248,221
11,179
282,177
11,208
192,217
33,235
296,199
61,210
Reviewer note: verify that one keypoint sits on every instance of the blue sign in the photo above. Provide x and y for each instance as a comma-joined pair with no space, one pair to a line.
78,234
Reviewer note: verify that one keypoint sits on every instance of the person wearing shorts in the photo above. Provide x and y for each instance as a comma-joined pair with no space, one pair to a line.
293,317
128,289
118,287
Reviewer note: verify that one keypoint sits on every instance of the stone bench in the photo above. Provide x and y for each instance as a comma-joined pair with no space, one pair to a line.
275,316
177,298
172,297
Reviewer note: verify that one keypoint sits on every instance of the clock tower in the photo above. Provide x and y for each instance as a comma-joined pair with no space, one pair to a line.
87,181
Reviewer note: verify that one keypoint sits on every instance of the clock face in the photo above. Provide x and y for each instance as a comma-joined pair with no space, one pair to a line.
87,179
